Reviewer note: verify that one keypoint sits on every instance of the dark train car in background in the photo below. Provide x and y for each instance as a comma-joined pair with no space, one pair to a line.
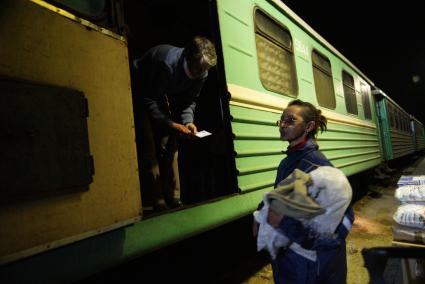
397,134
418,133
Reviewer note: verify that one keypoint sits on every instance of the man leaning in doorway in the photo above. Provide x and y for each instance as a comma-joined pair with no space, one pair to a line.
171,79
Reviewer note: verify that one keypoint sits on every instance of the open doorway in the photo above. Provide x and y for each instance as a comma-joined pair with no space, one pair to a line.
206,165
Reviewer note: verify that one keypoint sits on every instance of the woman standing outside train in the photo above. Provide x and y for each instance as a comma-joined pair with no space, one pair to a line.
299,125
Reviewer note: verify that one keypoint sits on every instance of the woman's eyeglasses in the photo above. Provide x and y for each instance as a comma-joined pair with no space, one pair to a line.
287,121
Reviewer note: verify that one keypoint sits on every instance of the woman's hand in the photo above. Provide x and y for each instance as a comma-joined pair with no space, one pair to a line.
274,218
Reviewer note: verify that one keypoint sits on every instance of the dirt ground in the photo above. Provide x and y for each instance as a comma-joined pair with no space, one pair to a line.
371,228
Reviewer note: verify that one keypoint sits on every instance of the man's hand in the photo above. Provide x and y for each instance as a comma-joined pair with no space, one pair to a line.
184,131
180,128
274,218
192,128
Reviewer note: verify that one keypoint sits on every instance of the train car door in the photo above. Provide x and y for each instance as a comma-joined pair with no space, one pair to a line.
49,56
384,124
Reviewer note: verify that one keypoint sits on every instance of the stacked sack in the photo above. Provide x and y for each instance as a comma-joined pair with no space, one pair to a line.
411,213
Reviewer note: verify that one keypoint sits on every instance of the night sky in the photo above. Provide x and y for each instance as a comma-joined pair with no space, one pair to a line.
388,47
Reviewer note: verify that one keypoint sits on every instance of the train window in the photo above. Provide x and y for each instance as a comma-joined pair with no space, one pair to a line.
323,80
403,123
275,56
349,93
407,123
395,113
365,90
392,117
88,9
398,121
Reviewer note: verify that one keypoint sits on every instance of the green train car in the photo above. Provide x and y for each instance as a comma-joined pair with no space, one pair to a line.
74,201
398,135
418,133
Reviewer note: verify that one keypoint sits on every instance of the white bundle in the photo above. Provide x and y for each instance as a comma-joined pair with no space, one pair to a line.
409,234
415,180
268,237
332,190
410,193
411,215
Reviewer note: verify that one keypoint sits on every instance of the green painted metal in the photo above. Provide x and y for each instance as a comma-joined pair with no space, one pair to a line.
351,148
395,143
76,261
259,150
402,143
257,146
256,138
